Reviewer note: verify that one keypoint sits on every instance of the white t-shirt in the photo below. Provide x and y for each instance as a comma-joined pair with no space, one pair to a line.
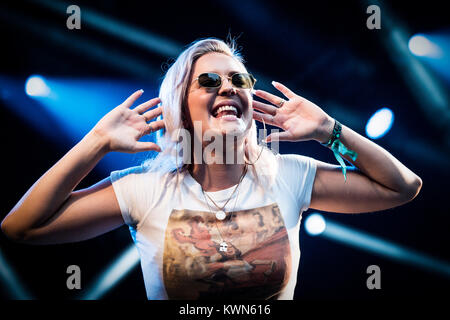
181,242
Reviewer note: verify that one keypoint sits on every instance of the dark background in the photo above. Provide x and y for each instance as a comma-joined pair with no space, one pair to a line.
321,50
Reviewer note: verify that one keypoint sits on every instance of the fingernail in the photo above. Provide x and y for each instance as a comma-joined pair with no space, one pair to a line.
142,90
274,83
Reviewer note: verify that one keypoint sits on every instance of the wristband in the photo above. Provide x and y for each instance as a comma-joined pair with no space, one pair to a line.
339,148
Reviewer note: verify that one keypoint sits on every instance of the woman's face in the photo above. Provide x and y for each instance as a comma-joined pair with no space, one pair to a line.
203,102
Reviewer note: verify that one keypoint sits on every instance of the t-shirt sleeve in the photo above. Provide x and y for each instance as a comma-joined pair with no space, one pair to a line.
126,185
299,173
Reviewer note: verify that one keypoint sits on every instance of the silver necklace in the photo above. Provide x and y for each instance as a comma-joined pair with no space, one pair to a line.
220,213
223,246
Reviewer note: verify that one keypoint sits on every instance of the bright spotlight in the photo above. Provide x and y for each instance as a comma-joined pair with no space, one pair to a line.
35,86
315,224
422,46
379,123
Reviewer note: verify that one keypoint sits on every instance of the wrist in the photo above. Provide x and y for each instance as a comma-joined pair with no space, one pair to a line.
325,130
97,142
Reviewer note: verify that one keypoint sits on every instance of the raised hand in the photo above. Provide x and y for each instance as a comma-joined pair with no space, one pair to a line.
122,127
300,119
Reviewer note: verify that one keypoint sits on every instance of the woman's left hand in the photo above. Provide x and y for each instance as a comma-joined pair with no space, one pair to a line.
300,119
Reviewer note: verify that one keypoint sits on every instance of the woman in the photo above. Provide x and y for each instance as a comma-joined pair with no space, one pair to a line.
205,227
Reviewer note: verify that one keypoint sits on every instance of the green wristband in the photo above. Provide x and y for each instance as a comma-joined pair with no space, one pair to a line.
339,148
335,135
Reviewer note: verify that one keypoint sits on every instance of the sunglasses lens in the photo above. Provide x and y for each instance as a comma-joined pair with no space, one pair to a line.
209,80
239,80
242,80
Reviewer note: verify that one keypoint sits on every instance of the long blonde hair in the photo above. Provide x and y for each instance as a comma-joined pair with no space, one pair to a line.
173,95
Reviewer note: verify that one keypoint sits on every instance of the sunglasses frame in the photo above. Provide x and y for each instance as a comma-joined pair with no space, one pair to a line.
229,78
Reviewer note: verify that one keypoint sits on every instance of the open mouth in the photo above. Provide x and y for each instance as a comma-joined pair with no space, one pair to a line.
226,110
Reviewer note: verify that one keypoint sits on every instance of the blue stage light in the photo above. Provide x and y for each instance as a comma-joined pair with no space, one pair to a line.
35,86
315,224
436,55
376,245
113,274
379,123
11,282
421,46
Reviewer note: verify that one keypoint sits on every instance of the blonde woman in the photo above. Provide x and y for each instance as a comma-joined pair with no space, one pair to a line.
207,228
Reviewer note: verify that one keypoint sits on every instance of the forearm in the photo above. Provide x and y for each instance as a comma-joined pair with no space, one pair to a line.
48,193
374,161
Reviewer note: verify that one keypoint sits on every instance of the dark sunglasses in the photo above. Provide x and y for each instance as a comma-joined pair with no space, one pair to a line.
238,80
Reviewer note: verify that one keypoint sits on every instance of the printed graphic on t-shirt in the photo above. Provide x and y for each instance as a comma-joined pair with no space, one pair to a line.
244,256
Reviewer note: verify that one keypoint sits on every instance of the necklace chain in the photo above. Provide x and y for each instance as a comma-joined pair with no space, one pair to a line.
215,221
240,180
235,202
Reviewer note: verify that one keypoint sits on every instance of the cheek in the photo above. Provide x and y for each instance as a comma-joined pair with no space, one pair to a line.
248,99
197,107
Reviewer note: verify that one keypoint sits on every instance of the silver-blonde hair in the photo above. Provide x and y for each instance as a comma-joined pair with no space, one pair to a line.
173,95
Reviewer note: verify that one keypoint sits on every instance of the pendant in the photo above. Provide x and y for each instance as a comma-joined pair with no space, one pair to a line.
220,215
223,247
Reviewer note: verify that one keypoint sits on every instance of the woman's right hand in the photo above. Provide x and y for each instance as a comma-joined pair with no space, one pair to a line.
122,127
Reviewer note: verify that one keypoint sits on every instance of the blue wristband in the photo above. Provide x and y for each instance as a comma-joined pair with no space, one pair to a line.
339,148
335,135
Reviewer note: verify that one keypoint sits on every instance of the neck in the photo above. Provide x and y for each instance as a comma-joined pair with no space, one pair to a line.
215,177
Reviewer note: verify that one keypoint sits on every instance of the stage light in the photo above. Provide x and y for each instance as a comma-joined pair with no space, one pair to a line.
35,86
315,224
428,91
421,46
132,34
75,105
113,274
437,55
376,245
10,281
379,123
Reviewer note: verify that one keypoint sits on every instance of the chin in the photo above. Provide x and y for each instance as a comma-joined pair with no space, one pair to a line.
236,128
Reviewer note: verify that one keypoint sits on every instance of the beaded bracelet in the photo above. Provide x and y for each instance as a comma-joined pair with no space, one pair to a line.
339,148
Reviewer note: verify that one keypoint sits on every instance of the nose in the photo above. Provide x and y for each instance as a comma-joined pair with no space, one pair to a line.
226,89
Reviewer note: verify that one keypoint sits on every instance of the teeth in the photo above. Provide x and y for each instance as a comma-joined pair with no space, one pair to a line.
223,108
